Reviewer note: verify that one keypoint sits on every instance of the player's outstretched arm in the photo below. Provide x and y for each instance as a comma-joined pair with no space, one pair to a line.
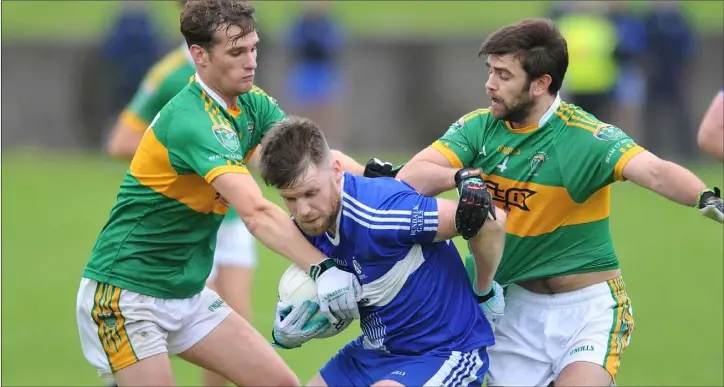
429,172
265,220
675,183
487,250
711,129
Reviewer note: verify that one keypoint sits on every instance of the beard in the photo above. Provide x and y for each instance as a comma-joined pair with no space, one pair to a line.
519,110
327,221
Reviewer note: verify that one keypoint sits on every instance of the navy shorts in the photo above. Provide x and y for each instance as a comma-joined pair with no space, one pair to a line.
354,365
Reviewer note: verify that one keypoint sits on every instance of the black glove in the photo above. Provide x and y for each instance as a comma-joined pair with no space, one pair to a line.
378,168
475,204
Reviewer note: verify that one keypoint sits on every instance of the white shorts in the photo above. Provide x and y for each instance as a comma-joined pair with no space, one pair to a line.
235,246
541,334
119,327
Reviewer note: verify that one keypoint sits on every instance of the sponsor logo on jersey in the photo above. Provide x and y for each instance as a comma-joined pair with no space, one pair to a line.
536,162
508,150
417,223
511,197
582,348
606,132
227,137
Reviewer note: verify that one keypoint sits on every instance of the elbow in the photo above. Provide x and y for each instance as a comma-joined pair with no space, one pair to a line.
253,215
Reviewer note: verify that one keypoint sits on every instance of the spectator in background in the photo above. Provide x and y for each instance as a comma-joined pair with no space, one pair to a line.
629,94
711,129
670,45
131,46
592,69
315,80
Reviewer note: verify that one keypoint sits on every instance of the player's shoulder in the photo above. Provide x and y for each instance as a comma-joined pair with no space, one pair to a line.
475,119
582,126
257,97
172,71
375,193
186,110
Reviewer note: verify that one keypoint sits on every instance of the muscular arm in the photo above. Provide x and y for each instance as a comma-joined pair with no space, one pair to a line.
429,172
348,164
664,177
487,250
487,247
711,130
266,221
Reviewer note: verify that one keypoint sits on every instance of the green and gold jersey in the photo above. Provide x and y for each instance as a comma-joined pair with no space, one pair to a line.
165,79
553,179
160,237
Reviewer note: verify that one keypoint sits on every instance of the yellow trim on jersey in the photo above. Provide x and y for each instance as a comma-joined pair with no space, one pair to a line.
166,66
549,207
575,118
449,154
208,103
133,121
628,154
152,168
527,129
621,328
218,171
474,114
111,328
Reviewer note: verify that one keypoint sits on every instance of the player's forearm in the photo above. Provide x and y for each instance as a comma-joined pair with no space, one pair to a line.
487,250
277,231
348,164
666,178
428,178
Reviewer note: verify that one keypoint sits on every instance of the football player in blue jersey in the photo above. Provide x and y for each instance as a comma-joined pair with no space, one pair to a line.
421,324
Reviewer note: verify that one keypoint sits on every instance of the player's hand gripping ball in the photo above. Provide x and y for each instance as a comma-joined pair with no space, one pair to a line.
295,287
475,204
710,204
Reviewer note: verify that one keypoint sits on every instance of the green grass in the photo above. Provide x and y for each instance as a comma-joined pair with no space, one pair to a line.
62,19
54,206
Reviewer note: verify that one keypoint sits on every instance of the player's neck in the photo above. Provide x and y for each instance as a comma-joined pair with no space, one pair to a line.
536,113
229,101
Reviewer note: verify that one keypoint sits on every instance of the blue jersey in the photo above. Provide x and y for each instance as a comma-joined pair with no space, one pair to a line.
416,294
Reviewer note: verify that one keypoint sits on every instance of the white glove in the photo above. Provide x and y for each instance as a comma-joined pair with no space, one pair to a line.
494,308
292,327
338,292
710,204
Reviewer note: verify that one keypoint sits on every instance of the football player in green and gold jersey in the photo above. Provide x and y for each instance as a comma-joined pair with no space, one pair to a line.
567,317
143,294
235,254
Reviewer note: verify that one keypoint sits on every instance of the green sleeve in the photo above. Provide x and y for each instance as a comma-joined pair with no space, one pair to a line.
463,140
195,145
599,159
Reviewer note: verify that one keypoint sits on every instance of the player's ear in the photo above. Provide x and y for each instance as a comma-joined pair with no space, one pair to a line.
540,85
337,169
199,54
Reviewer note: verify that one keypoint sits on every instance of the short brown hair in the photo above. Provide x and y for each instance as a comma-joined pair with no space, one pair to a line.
538,44
201,18
289,149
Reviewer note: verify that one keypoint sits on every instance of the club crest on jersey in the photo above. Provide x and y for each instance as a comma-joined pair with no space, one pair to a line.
607,132
227,137
537,162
